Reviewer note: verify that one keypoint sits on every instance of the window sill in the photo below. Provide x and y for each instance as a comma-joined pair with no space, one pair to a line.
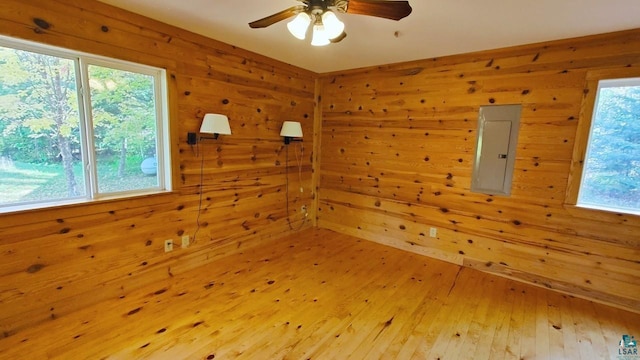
610,216
17,217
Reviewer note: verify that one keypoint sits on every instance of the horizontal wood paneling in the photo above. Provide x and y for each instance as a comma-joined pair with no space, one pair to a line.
398,145
390,148
57,261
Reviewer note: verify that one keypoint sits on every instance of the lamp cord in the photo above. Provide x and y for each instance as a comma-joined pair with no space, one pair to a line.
299,162
287,185
200,201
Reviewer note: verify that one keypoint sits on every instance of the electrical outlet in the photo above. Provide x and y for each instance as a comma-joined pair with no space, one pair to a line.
185,241
303,208
168,245
433,232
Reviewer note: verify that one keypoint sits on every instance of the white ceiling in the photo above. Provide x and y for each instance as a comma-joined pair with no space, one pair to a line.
435,27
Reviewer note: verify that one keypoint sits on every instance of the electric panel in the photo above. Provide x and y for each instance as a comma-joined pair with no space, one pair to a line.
496,149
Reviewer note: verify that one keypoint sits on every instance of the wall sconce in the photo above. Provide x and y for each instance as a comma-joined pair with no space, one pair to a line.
215,124
291,131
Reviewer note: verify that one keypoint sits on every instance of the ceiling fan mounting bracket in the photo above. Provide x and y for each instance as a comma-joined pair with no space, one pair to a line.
317,11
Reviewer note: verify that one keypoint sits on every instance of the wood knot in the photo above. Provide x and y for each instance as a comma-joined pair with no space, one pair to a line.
42,24
134,311
35,268
389,322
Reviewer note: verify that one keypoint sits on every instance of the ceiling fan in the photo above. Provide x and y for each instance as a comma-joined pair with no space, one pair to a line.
327,28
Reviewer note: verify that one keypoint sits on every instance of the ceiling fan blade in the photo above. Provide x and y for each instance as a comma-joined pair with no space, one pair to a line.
279,16
339,38
394,10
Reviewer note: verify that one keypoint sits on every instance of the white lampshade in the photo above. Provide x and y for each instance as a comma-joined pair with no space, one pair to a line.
320,37
215,124
332,25
299,25
291,129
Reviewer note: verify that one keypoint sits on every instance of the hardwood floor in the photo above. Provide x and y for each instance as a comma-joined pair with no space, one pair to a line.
322,295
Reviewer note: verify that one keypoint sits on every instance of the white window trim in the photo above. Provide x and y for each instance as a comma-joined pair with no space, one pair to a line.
163,150
583,131
603,84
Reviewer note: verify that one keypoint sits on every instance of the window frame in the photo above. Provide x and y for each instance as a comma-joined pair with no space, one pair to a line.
82,61
583,131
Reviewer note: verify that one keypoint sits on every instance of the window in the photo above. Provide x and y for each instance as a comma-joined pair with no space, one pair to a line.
610,174
77,127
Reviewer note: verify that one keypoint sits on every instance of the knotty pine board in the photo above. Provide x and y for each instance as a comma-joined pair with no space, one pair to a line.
398,144
319,294
55,262
110,249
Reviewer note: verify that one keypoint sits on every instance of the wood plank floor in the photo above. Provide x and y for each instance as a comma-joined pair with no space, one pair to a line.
322,295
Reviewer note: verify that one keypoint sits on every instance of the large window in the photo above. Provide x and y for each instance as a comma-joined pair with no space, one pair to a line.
610,174
77,127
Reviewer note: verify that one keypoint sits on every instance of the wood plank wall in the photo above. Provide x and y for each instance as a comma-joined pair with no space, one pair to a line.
53,262
397,148
398,145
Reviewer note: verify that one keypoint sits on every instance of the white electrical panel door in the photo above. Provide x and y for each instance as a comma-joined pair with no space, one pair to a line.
495,153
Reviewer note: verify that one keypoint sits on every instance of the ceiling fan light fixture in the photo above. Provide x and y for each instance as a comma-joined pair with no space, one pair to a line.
320,15
320,36
332,25
299,25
